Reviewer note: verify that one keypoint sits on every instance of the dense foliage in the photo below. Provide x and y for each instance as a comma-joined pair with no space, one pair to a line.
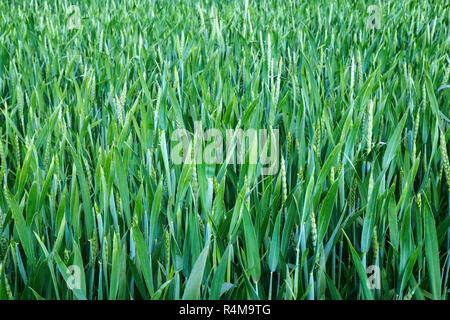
89,188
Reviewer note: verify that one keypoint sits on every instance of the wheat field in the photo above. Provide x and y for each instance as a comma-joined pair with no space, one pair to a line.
93,205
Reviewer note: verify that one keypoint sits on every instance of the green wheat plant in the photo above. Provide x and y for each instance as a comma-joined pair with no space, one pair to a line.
92,205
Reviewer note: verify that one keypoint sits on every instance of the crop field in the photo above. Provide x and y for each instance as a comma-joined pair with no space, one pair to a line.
224,149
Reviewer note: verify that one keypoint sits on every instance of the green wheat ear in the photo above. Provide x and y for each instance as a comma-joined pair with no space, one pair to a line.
283,180
369,125
3,241
20,105
3,160
92,88
445,161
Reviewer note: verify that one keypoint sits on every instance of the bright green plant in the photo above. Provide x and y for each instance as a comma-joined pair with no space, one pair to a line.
86,120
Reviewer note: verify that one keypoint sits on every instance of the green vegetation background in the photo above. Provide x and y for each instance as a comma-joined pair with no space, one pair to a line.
86,117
